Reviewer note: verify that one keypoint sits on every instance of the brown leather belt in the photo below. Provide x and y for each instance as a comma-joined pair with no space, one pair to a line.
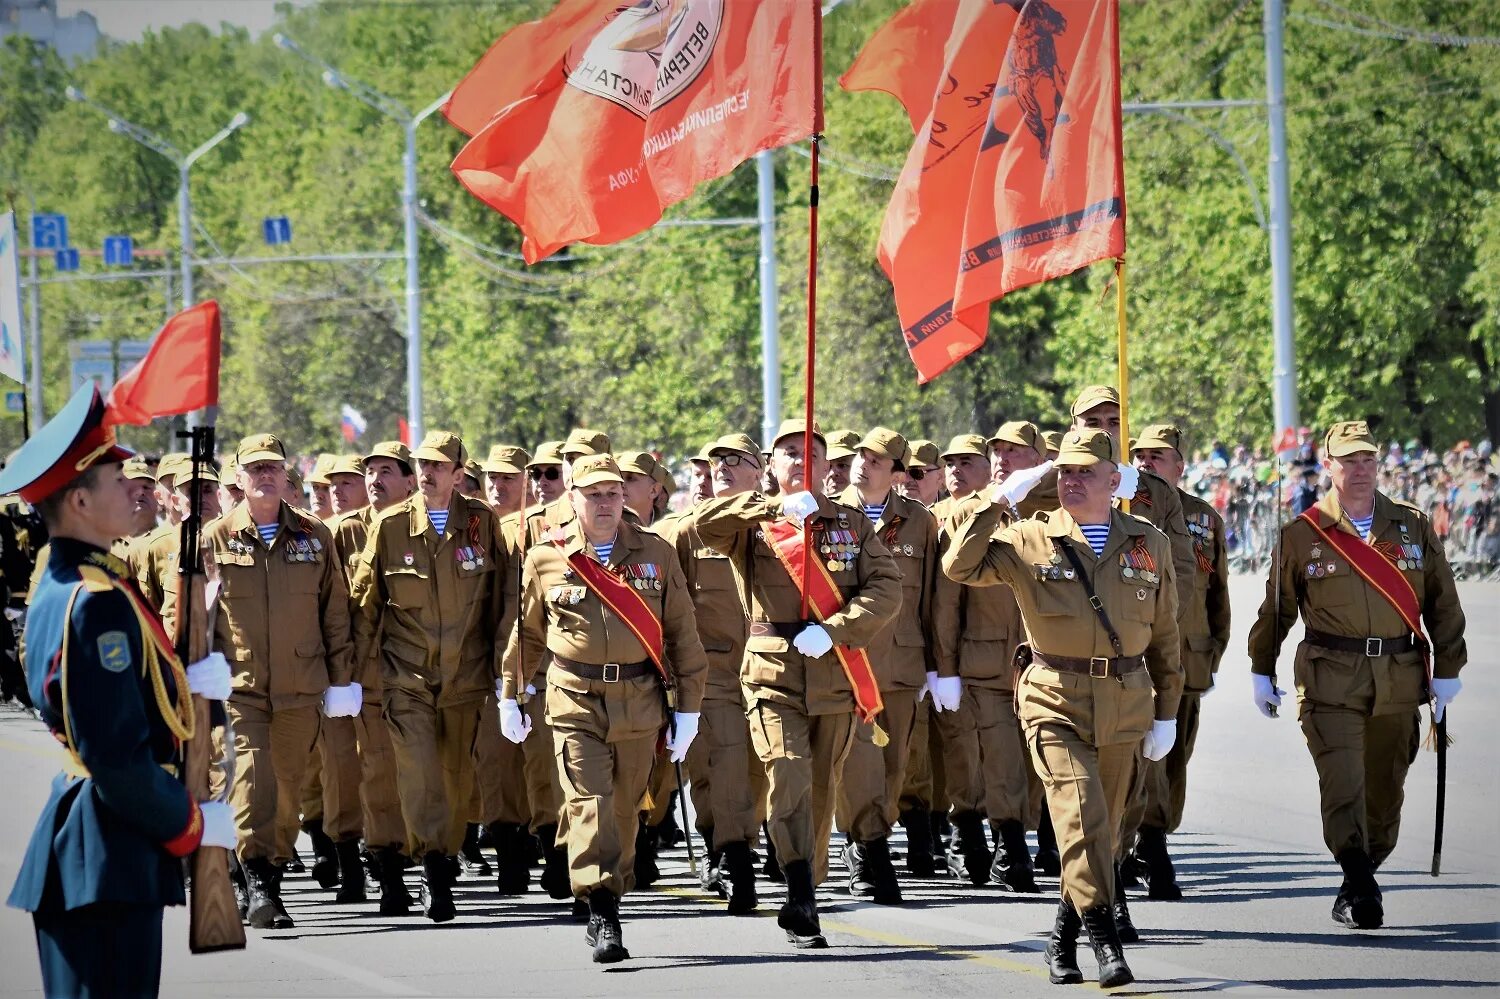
1371,647
608,673
788,630
1099,667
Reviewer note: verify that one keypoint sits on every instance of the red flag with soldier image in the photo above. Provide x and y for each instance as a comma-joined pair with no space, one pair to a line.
589,122
1016,174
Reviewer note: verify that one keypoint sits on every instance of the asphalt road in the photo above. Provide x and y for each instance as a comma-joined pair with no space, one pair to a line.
1255,920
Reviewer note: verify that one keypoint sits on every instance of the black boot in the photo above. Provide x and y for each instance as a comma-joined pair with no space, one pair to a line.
437,888
1161,876
1012,867
799,916
372,871
968,851
1359,905
668,834
739,871
1062,949
471,856
512,857
1121,909
241,889
1113,971
395,900
771,869
646,871
295,865
580,913
325,868
853,856
1048,862
918,825
881,873
711,874
264,910
604,933
554,880
351,872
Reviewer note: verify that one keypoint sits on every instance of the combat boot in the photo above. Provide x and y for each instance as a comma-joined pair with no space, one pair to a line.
241,889
351,873
325,868
1161,876
853,856
554,880
668,834
604,933
372,871
711,874
395,900
1062,948
918,825
512,857
1121,909
646,871
880,873
264,909
740,872
1048,862
471,856
968,851
1113,971
437,888
771,869
1012,867
799,916
1359,905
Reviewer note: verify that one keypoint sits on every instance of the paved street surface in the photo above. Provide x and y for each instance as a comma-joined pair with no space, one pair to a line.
1255,920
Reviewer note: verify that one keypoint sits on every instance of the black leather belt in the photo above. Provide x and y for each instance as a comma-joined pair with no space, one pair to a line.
788,630
1371,647
608,673
1098,667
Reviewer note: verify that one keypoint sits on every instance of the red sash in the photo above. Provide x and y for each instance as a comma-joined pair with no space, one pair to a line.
628,605
786,540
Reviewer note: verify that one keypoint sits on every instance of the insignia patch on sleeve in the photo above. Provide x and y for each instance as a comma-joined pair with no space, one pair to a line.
114,651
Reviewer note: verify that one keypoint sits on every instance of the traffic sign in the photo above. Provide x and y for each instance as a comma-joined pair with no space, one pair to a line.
66,259
15,402
277,230
49,232
119,251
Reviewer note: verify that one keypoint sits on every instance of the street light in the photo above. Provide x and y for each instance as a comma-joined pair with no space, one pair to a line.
183,162
392,108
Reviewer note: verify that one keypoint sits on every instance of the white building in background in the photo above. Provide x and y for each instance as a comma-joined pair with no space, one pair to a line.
72,38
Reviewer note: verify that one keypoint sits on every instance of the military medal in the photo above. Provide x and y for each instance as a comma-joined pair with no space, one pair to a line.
907,549
408,558
1140,594
1317,552
1069,574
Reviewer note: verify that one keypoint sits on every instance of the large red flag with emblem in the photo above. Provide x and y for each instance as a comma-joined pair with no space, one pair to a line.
588,123
180,372
1016,174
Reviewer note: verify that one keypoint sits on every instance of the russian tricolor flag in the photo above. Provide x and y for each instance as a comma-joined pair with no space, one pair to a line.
353,423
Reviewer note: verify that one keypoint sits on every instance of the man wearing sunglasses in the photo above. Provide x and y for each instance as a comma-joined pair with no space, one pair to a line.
544,482
923,478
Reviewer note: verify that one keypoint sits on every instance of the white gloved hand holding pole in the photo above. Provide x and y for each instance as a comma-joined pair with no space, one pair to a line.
209,677
1267,694
513,725
1443,693
218,825
797,507
684,731
1159,740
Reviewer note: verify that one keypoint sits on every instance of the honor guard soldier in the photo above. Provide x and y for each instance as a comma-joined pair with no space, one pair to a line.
544,473
282,620
914,656
1366,573
1099,603
608,604
106,855
429,601
1204,627
804,677
841,444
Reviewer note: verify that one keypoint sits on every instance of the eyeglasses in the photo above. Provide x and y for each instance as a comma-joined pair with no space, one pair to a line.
917,474
550,472
732,459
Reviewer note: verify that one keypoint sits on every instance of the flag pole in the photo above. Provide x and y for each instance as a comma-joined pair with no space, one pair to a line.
1124,368
812,294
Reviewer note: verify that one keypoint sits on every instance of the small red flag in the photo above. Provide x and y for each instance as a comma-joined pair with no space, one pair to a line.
1016,174
403,431
588,123
180,372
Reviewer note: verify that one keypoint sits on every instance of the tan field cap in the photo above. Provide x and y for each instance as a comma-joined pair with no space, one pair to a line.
1349,437
547,453
582,441
738,443
1086,447
966,444
259,447
441,445
884,442
639,462
841,444
797,428
506,458
1162,435
394,450
1022,434
1094,395
594,469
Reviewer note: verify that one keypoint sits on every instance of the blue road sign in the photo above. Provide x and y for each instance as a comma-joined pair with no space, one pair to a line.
15,402
49,232
66,259
277,230
119,251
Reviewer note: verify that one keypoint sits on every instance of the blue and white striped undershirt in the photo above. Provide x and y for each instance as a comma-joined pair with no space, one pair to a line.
268,531
874,512
1363,525
1097,535
439,520
603,551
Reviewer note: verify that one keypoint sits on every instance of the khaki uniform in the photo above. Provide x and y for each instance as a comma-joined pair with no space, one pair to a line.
1359,712
430,607
282,621
800,710
1083,732
604,731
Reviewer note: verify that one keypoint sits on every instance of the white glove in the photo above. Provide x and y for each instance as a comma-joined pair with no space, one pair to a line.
813,641
926,688
1130,478
1160,739
797,507
684,731
218,825
946,691
209,677
1443,693
513,725
1018,484
530,690
1267,695
343,702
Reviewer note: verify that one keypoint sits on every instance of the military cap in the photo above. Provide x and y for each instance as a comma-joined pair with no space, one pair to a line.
738,443
473,471
259,447
1086,447
921,452
704,454
1021,433
441,445
394,450
663,476
226,476
1054,441
966,444
1349,437
138,468
594,469
319,474
70,443
547,453
168,466
294,476
582,441
1159,435
347,464
1094,395
506,458
884,442
206,472
798,428
639,462
840,444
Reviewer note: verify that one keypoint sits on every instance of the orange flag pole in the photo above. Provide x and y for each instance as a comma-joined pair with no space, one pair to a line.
1124,368
812,294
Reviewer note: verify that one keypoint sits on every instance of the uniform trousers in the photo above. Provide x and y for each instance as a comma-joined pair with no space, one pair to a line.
102,950
1166,784
804,756
434,750
1362,762
869,791
1086,787
272,750
338,751
721,767
1005,767
380,800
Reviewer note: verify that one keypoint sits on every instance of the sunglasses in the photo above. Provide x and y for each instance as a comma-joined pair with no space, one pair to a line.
918,474
732,459
551,473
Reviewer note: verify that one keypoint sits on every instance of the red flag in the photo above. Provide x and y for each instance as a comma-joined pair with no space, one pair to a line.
1016,174
594,119
403,431
180,372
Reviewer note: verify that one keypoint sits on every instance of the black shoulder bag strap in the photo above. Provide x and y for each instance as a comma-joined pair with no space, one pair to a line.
1094,601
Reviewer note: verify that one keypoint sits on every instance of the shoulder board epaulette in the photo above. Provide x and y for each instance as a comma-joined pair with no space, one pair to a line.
95,579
